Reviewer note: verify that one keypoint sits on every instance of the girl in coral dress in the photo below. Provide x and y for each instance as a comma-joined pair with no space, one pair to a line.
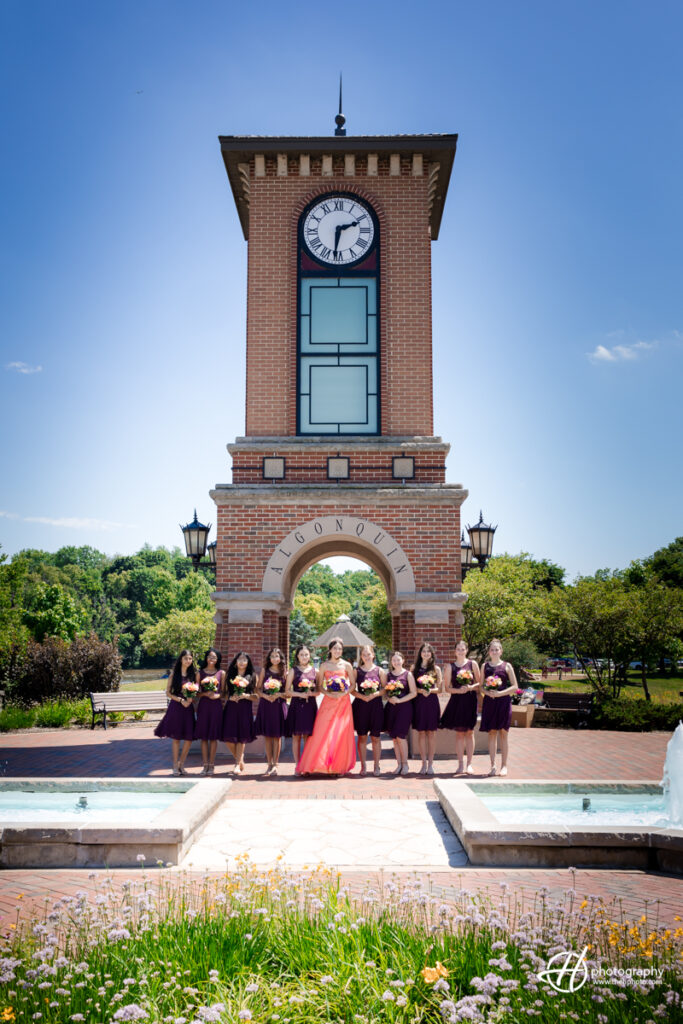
331,748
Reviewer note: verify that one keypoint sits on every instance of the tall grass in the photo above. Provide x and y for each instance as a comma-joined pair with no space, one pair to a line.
297,947
13,717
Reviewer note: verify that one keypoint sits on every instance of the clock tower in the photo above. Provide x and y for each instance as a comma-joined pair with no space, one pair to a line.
338,456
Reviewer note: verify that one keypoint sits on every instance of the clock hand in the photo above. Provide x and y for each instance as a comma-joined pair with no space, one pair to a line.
342,227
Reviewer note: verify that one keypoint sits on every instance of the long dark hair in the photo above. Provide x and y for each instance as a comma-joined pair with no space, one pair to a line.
282,670
417,666
219,658
297,652
234,671
177,674
333,641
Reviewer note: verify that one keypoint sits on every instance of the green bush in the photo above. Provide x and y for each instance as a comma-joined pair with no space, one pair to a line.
13,717
114,717
636,716
59,670
82,711
138,716
55,715
521,654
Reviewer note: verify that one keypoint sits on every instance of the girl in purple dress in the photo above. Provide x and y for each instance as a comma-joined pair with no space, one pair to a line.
178,722
426,707
238,714
209,725
302,688
461,679
399,690
498,684
270,715
367,709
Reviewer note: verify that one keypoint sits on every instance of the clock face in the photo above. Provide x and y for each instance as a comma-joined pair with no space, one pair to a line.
338,230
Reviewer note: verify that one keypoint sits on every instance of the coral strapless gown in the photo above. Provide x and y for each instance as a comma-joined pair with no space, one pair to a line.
331,748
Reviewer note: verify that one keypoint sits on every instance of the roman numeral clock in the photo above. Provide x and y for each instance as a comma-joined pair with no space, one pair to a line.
339,454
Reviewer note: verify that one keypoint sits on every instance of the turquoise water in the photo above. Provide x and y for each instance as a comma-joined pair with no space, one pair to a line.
606,808
131,807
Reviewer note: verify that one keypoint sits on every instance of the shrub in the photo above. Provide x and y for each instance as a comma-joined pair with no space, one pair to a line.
13,717
138,716
114,717
636,716
82,711
54,715
521,654
57,670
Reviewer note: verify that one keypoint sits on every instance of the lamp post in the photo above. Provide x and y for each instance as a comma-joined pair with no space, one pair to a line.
195,535
481,539
465,556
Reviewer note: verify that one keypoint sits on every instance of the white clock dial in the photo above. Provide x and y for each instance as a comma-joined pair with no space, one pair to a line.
338,230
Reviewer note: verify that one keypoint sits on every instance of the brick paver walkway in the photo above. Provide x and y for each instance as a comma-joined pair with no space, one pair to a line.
133,751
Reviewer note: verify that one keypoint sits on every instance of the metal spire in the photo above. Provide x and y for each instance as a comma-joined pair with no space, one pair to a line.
340,120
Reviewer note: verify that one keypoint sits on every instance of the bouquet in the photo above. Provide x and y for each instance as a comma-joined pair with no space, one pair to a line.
305,685
242,685
464,677
189,690
395,688
336,683
369,687
491,683
272,685
210,685
426,682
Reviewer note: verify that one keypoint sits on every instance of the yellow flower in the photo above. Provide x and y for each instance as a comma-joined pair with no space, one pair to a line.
432,974
8,1013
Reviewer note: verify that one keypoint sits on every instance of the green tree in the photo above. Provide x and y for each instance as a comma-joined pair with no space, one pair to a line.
300,631
14,634
320,611
655,623
592,619
503,601
53,612
194,591
193,629
667,563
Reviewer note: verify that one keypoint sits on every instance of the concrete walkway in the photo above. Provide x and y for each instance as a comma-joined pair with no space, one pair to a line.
352,828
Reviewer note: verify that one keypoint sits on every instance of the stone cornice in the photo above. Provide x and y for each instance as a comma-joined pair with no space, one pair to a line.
333,444
335,495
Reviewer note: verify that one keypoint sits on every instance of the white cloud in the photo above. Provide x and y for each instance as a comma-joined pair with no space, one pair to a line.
621,353
70,522
23,368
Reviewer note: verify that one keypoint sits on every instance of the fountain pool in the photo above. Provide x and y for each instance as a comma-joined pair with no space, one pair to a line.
539,823
102,822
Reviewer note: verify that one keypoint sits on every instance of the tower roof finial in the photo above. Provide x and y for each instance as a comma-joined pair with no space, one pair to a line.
340,120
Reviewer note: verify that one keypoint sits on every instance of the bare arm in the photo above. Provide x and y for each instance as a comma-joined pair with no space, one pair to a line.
289,683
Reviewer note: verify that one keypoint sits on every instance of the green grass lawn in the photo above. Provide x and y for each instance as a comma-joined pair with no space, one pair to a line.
663,688
143,679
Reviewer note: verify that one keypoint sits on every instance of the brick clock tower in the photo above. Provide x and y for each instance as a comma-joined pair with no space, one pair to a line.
338,456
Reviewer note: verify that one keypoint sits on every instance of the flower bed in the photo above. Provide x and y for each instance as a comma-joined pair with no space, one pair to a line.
295,948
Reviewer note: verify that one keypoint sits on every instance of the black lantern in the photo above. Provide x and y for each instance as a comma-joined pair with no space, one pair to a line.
481,539
195,535
465,555
211,552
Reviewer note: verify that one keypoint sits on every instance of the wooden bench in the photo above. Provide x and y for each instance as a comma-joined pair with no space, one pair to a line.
131,700
580,703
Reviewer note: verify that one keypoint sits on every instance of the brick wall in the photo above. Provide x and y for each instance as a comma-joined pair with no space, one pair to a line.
365,466
402,206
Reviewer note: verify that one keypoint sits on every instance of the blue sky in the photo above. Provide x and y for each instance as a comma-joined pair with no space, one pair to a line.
558,320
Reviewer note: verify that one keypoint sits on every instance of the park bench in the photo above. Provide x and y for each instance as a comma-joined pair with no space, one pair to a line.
580,703
141,700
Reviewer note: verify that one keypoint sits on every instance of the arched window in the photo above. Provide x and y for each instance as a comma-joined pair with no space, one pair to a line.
338,314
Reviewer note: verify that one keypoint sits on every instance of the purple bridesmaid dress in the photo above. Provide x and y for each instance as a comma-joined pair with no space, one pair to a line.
302,710
368,715
238,715
461,711
209,724
398,718
497,711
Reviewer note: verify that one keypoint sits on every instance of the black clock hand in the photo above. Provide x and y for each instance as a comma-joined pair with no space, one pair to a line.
342,227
